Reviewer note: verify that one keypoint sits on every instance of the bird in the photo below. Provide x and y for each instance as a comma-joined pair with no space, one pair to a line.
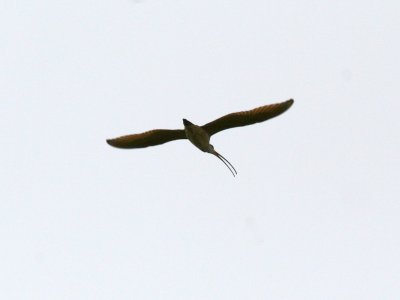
199,136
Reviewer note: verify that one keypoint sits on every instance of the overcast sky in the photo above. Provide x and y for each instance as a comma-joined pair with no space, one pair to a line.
314,210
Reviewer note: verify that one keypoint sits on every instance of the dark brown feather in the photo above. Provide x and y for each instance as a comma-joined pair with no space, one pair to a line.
148,138
243,118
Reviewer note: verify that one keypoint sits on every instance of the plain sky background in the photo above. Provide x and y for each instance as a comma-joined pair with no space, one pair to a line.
314,211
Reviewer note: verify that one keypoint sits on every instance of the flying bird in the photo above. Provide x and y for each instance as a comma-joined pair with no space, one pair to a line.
200,135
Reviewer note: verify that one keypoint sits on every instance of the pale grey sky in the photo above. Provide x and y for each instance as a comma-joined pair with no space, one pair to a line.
314,210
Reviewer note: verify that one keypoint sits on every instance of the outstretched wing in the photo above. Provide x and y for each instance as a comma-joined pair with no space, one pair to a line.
148,138
243,118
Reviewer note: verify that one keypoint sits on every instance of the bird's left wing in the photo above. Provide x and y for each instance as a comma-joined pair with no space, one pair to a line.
148,138
244,118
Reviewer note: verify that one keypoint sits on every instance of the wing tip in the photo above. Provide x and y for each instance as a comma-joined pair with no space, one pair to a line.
118,143
112,142
287,104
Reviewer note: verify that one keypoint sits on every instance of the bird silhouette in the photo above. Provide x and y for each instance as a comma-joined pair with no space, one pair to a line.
200,135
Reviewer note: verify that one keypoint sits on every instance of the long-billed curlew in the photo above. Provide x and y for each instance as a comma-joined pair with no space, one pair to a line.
200,135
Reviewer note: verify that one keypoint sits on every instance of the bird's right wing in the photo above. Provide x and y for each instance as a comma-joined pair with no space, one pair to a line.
148,138
243,118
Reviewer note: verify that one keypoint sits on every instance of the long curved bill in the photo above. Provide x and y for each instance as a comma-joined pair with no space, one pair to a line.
226,162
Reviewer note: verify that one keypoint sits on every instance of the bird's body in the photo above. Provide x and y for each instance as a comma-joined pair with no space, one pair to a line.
197,135
200,135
